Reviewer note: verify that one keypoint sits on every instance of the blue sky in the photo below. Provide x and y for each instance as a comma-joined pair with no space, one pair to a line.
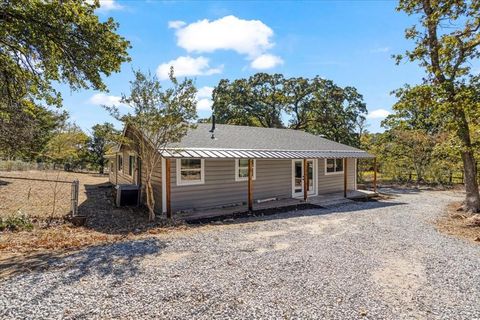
349,42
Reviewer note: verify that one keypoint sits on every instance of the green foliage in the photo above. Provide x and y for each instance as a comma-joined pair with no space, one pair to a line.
16,222
159,117
446,44
26,128
102,140
61,41
315,105
68,147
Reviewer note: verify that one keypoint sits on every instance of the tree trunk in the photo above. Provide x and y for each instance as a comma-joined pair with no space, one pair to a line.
150,199
472,199
101,170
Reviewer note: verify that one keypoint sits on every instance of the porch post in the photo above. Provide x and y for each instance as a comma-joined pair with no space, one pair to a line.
375,174
345,177
305,179
250,185
168,187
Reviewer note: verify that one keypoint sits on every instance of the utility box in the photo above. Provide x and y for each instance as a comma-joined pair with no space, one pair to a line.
126,195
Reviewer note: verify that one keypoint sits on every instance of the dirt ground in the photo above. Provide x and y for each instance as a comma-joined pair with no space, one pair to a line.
457,224
105,223
42,199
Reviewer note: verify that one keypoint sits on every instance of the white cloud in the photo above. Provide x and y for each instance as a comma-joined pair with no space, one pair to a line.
187,66
205,92
204,98
266,61
107,5
380,50
104,99
176,24
204,105
378,114
248,37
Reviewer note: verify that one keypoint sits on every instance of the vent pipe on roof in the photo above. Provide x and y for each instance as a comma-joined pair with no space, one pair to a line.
212,131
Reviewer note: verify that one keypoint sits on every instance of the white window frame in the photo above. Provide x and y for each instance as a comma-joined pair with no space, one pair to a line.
237,166
335,172
180,182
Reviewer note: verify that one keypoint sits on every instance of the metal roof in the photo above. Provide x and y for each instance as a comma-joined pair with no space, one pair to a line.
261,154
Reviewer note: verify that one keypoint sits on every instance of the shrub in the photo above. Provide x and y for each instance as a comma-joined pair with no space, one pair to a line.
16,222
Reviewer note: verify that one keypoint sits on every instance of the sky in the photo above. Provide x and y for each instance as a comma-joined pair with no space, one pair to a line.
349,42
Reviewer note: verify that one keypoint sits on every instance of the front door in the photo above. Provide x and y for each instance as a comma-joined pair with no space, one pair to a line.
297,177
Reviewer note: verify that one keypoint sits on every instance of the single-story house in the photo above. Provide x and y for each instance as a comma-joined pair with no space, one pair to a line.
240,165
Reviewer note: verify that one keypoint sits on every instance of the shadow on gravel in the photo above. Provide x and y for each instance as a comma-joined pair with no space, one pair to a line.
281,213
119,261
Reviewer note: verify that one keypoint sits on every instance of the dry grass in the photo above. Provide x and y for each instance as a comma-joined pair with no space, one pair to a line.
42,200
457,224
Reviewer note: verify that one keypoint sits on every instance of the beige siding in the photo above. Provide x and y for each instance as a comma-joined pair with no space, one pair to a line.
334,182
273,179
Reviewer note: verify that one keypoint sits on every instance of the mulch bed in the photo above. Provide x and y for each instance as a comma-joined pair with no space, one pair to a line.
455,223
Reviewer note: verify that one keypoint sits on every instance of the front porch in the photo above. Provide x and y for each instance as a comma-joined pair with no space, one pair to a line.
321,200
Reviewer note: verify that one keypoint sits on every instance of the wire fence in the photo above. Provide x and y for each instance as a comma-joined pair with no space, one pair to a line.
41,195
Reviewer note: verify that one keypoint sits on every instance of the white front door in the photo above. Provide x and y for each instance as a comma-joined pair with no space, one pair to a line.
297,177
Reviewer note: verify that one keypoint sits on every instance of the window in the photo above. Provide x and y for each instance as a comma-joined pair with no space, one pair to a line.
241,169
190,171
333,166
131,164
119,163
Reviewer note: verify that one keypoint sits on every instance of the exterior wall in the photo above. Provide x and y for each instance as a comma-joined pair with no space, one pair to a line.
334,182
121,176
273,179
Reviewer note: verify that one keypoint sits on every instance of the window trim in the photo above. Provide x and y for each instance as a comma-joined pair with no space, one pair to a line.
237,166
335,172
133,164
190,182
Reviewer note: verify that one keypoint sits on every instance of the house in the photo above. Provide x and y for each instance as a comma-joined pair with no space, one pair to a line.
240,165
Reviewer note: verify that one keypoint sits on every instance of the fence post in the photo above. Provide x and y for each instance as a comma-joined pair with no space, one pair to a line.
74,197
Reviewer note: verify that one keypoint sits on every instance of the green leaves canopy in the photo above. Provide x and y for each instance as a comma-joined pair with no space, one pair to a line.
42,42
315,105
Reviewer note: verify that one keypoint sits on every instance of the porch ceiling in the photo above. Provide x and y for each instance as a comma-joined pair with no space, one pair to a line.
261,154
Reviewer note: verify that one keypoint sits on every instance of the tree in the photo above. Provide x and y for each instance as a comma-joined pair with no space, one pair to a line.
26,128
68,147
256,101
61,41
102,140
447,40
314,105
159,117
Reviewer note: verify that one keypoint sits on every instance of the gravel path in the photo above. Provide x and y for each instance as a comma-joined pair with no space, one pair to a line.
374,260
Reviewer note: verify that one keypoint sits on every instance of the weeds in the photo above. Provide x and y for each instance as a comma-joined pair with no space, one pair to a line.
16,222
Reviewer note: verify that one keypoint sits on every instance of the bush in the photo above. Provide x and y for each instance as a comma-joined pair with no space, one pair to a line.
16,222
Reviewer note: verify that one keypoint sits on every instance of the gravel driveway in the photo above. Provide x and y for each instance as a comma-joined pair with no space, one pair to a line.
364,259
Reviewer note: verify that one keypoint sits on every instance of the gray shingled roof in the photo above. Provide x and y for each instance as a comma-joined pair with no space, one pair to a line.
241,138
